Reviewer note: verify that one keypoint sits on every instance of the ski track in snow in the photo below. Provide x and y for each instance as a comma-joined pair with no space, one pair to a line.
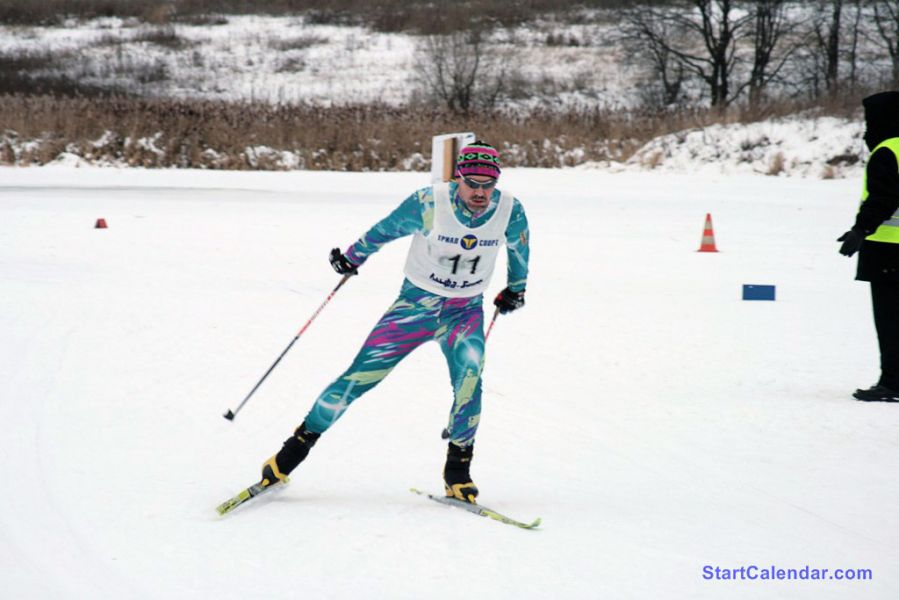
655,421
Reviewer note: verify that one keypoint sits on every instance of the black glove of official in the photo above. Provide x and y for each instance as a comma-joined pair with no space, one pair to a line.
852,241
507,300
341,263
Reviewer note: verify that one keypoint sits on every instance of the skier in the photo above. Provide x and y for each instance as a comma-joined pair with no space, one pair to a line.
875,236
458,229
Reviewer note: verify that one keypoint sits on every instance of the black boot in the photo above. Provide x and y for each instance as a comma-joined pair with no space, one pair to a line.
456,477
877,393
293,452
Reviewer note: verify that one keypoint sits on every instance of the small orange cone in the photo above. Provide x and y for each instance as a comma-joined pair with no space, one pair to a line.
708,236
101,224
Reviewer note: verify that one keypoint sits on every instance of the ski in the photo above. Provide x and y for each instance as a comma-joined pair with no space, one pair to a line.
245,495
478,510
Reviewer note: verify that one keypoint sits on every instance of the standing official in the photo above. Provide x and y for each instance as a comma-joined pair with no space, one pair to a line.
875,236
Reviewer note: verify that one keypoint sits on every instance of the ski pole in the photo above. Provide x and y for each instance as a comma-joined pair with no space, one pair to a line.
445,433
492,321
230,415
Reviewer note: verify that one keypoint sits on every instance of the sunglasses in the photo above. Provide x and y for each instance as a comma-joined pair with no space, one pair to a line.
476,185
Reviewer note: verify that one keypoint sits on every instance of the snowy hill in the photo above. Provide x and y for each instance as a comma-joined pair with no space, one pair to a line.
825,147
660,425
290,59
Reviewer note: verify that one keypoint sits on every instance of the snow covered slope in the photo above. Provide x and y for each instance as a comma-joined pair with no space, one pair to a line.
801,145
655,421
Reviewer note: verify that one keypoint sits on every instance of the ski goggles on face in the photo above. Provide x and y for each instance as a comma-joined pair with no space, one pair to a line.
477,185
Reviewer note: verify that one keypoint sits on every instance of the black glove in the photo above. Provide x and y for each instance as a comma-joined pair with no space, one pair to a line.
341,263
507,300
852,241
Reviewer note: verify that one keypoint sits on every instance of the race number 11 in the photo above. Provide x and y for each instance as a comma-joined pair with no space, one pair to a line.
458,258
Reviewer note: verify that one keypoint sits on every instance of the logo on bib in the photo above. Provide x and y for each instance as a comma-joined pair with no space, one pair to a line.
468,242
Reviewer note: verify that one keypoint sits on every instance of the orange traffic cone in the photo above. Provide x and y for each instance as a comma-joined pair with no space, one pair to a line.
101,224
708,236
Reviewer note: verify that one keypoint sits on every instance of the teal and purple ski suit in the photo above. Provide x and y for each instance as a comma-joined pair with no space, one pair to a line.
418,316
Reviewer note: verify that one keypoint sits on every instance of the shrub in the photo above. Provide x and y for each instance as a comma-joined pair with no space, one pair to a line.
778,164
208,134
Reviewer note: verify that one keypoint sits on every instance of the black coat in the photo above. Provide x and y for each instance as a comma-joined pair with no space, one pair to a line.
879,261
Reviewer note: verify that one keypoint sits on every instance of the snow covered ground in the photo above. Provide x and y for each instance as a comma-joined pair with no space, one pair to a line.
288,60
655,421
276,59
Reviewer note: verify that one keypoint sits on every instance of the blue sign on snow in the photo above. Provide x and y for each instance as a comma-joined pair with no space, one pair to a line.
758,292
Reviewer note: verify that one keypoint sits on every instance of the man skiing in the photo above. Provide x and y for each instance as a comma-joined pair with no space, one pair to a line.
875,236
458,229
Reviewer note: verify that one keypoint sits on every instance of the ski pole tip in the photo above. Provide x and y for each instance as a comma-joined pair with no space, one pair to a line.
229,415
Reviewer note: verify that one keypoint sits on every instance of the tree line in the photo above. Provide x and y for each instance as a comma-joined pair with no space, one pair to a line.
765,48
705,52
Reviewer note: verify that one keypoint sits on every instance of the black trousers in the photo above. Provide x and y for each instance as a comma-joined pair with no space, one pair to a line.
885,297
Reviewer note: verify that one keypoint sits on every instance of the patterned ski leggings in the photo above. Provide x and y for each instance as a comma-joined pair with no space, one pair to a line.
417,316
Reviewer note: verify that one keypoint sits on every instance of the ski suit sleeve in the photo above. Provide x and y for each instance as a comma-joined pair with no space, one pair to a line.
883,192
405,220
518,248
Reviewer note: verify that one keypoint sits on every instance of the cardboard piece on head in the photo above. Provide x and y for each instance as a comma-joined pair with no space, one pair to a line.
444,150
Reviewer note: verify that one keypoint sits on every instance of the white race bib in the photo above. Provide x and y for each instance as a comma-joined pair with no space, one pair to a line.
454,260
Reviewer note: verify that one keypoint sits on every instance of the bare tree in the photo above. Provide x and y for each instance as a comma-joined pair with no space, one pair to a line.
457,69
826,34
719,29
709,45
672,75
769,28
886,18
855,35
666,71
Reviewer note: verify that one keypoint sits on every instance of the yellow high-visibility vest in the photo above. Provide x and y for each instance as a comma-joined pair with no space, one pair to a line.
889,230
